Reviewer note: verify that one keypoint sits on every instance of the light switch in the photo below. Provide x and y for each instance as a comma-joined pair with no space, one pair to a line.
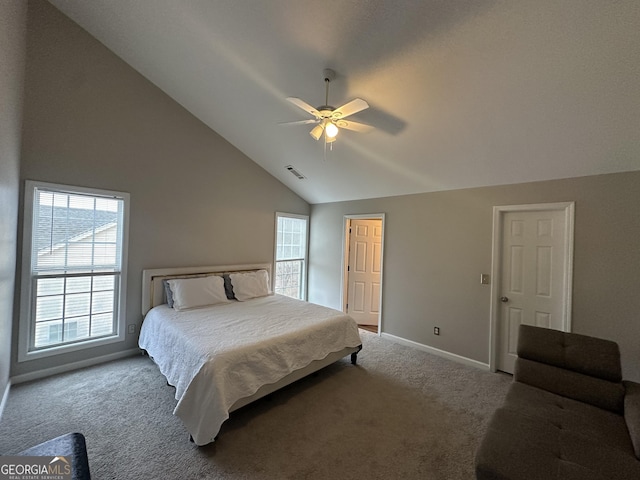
485,279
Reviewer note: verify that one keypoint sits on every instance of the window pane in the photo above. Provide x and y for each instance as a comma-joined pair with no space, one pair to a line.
103,283
289,278
81,202
104,254
70,331
77,329
49,308
102,302
48,333
101,324
291,238
50,286
77,304
78,284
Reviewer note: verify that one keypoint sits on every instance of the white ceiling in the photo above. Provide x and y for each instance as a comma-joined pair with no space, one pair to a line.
463,93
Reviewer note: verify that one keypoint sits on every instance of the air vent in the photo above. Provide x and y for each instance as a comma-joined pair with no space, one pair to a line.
292,169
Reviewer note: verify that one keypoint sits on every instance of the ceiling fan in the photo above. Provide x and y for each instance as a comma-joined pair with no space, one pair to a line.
329,120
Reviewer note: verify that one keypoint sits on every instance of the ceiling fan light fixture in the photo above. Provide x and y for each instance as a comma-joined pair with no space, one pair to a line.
316,132
331,130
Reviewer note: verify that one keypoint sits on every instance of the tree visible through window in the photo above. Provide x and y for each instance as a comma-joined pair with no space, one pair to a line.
74,263
291,255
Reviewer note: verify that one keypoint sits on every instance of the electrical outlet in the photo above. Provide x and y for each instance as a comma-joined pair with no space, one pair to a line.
436,330
485,279
131,328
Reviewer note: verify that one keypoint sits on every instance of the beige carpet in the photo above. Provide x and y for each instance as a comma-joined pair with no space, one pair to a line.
400,414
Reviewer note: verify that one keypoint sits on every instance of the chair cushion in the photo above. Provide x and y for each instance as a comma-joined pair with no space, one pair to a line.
570,415
525,447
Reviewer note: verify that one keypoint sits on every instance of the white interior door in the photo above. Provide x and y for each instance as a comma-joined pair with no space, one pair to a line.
364,269
534,278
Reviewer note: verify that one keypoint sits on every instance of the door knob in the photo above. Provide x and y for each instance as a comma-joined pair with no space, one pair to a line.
504,299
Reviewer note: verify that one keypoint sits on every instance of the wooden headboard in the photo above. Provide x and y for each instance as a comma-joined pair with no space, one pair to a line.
153,289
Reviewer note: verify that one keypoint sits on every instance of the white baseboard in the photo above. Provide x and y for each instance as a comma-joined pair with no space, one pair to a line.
5,396
437,351
27,377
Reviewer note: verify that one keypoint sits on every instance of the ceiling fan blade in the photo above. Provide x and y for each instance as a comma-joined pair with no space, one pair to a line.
317,131
354,106
355,126
304,106
300,122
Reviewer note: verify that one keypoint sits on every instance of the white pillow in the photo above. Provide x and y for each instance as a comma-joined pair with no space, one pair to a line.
197,292
250,285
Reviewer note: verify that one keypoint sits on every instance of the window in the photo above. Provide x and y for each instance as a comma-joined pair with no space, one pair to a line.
291,255
74,269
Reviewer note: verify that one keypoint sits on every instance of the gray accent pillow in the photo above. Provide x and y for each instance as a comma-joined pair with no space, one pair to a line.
168,293
228,287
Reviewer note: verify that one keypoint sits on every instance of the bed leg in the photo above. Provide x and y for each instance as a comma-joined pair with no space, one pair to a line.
354,356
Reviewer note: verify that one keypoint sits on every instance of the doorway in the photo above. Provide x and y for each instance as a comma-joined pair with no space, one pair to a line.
362,262
532,274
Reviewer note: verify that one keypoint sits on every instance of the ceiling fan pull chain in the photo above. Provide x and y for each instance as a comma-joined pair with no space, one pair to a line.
324,153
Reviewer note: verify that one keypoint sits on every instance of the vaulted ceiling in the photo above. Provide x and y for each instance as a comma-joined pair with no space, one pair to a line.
462,93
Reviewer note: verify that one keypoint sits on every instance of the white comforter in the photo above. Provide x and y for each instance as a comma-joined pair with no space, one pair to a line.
217,355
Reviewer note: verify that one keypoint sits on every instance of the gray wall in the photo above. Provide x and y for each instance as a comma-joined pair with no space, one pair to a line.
91,120
13,19
438,244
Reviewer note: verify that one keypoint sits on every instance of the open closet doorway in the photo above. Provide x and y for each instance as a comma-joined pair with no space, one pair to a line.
362,261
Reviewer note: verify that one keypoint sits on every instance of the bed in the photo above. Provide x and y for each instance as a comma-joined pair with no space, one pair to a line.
223,356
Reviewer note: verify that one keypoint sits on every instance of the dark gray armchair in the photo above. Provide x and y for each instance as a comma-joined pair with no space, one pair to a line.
567,414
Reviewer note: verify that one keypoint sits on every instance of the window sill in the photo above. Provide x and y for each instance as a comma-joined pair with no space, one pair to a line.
25,356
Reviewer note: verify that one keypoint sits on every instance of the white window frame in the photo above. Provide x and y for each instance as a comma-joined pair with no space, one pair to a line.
305,260
25,352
